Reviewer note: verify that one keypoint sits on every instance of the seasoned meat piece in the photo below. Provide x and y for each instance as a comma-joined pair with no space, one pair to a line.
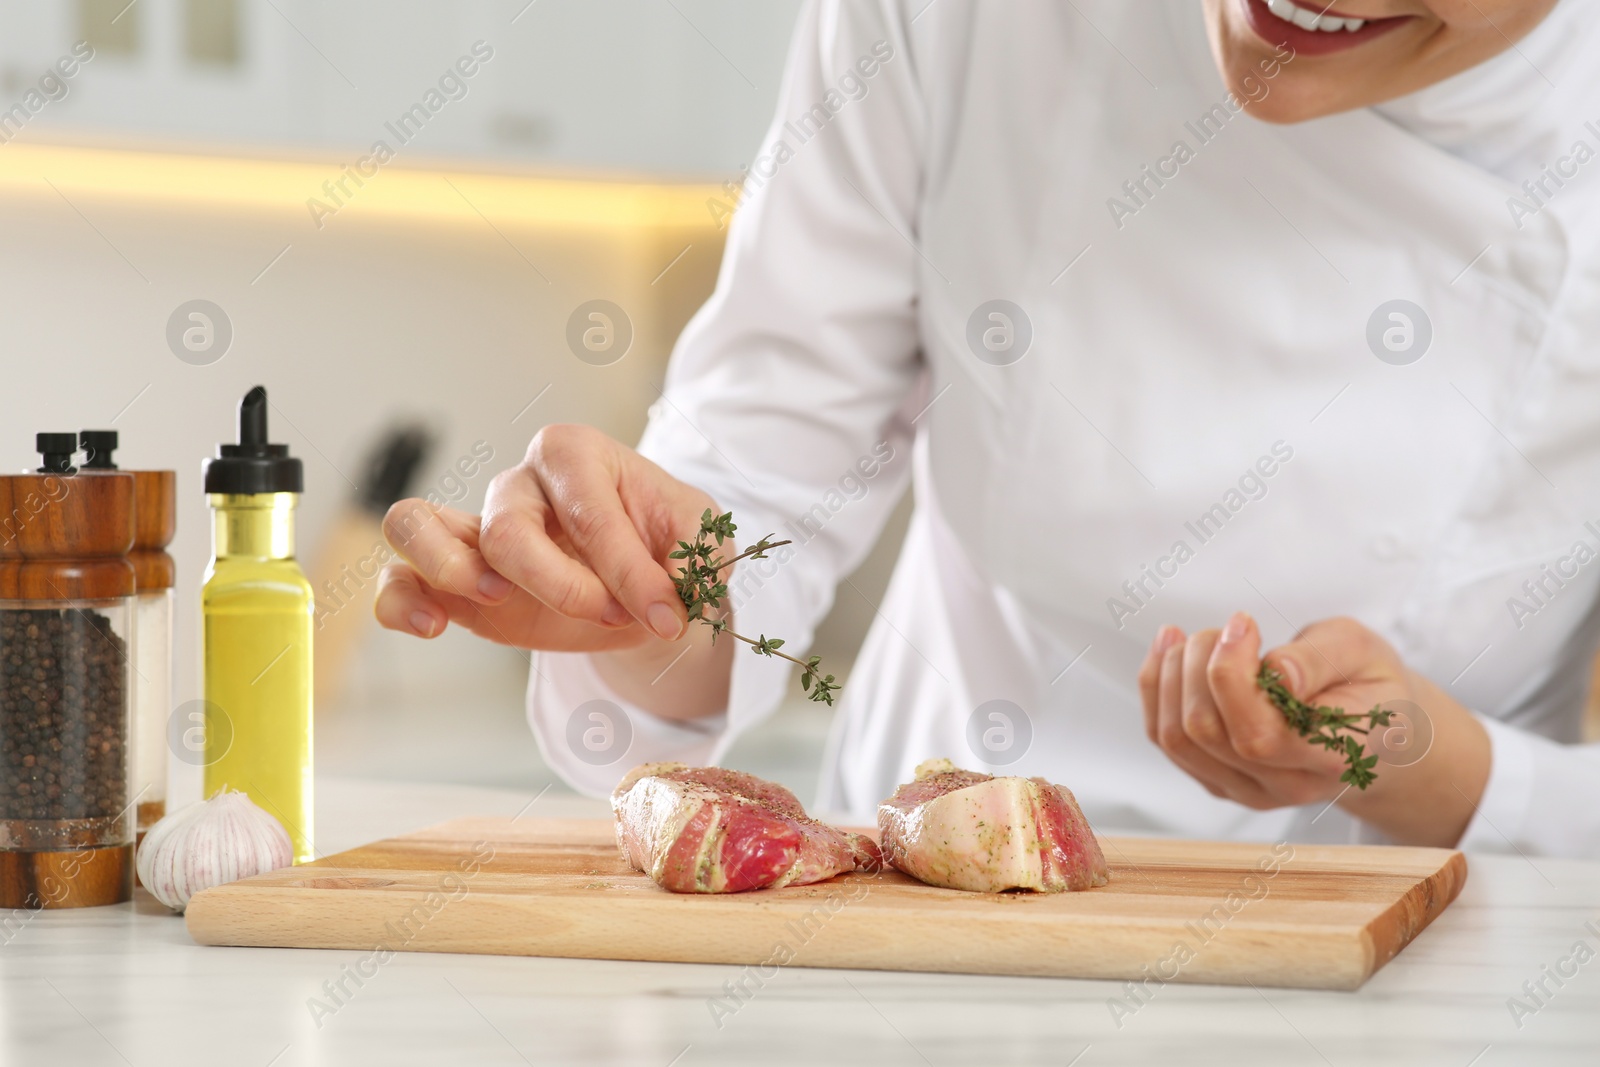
965,830
709,830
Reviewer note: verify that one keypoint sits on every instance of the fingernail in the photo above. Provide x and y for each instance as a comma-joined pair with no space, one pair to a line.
1238,625
1289,671
664,621
422,622
615,614
494,586
1167,636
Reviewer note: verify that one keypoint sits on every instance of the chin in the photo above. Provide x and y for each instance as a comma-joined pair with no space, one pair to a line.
1293,100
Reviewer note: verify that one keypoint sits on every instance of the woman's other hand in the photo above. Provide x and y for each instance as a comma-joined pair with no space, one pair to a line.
1202,706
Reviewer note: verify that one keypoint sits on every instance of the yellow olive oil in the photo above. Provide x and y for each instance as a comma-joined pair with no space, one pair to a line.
257,608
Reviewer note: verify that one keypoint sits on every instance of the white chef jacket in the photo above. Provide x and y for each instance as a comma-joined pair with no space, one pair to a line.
1197,424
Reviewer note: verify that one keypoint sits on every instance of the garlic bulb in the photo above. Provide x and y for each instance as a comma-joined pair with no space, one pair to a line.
210,842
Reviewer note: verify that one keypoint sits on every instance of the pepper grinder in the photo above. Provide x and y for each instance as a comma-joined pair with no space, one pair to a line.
66,617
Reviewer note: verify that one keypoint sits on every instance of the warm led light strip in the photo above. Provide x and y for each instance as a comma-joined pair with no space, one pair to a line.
394,190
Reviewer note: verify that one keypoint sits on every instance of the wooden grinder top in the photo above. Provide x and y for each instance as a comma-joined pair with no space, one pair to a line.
66,536
155,509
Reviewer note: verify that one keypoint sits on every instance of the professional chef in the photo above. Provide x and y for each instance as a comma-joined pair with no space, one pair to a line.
1202,331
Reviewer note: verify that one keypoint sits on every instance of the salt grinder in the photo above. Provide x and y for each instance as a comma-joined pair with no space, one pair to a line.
155,520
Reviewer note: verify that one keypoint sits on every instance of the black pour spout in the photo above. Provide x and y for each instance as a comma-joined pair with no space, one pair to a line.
253,465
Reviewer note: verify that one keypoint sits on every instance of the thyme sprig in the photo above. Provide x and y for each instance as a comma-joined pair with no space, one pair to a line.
1332,728
700,587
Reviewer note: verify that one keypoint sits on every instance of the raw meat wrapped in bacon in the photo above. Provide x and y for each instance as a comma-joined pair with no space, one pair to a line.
710,830
965,830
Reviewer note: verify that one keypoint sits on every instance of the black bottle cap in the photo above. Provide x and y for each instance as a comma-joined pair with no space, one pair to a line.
97,448
253,465
57,450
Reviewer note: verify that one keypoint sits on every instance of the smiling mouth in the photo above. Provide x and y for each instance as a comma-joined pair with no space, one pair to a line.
1309,28
1313,19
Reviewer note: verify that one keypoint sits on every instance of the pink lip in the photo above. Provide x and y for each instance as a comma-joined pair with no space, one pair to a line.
1273,30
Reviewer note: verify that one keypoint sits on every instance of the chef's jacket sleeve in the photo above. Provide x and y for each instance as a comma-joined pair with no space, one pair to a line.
1540,798
791,395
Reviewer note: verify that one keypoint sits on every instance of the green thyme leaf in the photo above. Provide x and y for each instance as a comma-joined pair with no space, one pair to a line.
1332,728
700,587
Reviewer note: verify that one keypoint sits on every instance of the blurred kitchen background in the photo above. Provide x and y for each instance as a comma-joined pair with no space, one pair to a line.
593,154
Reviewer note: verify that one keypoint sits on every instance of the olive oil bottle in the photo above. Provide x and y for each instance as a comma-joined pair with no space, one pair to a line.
256,607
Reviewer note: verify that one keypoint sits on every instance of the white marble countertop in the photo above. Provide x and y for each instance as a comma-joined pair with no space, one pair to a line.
125,985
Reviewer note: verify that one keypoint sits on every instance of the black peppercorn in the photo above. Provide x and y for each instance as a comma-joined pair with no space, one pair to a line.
63,718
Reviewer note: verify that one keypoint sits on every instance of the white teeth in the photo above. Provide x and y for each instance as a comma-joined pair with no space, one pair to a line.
1308,19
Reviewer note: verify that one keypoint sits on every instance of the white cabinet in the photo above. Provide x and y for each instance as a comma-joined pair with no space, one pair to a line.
657,86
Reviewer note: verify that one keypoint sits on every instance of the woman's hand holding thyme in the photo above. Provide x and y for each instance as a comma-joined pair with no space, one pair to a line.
1326,718
571,554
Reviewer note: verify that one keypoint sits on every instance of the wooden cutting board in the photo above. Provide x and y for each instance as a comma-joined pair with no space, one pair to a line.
1321,917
